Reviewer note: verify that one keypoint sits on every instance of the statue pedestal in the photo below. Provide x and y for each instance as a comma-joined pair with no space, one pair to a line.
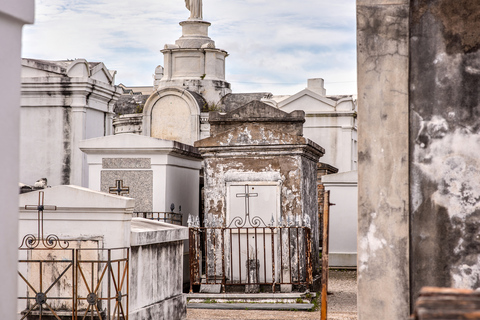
193,63
195,35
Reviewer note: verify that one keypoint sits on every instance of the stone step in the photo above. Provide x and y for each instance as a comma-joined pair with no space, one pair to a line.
252,306
234,296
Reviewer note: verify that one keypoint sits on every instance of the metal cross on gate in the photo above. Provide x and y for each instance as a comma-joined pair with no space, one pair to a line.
247,197
119,189
238,221
51,240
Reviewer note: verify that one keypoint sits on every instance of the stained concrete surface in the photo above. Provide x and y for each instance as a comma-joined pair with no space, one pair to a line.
342,304
383,159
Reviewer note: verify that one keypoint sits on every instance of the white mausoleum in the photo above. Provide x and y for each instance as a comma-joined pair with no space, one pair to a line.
62,102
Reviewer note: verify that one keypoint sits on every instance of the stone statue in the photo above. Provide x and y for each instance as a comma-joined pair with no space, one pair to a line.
195,7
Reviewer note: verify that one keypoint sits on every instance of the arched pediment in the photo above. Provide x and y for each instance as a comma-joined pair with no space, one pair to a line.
79,69
173,114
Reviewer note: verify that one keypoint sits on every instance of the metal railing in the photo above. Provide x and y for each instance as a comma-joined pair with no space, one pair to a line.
74,283
167,217
250,256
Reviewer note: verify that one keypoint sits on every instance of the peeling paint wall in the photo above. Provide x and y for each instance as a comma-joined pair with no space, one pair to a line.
419,147
289,169
445,143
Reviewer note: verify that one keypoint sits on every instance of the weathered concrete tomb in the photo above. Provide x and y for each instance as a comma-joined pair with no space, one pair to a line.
81,252
259,166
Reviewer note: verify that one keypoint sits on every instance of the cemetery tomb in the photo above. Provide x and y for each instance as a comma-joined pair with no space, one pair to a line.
260,189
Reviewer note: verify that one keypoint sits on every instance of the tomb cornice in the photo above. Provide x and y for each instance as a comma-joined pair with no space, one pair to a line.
309,150
136,144
203,50
67,81
145,150
54,92
333,114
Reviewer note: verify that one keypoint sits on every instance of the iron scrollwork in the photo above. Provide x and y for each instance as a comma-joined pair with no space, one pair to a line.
51,241
255,222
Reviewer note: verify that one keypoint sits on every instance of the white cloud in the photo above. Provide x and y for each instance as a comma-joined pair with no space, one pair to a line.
273,45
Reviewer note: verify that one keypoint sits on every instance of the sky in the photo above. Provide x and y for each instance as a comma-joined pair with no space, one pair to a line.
273,45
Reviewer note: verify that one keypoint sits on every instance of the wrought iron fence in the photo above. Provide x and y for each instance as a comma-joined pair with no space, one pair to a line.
74,283
250,256
168,217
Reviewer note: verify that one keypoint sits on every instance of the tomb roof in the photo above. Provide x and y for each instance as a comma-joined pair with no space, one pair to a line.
233,101
135,144
70,196
258,112
70,68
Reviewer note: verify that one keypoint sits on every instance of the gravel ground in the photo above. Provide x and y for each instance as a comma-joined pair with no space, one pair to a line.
342,304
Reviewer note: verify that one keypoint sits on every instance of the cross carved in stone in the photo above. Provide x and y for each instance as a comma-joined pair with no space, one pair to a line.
119,188
247,195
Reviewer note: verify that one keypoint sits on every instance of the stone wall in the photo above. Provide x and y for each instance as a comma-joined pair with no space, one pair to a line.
322,169
383,207
156,277
419,200
445,144
343,189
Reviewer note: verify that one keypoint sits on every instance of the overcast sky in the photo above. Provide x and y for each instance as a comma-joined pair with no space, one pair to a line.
273,45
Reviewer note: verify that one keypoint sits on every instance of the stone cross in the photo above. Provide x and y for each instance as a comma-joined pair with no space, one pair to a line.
119,189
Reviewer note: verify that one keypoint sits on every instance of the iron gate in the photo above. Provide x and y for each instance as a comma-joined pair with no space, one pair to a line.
252,255
74,283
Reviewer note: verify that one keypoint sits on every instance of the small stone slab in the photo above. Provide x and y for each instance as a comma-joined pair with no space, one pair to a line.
252,306
210,288
286,288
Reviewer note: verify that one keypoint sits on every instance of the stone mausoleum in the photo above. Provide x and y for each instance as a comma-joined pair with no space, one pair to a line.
258,152
63,102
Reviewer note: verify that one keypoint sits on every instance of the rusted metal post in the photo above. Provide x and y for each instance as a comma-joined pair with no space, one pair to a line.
274,276
214,242
192,258
326,216
206,255
265,258
109,284
223,260
127,266
231,256
74,281
280,230
308,244
298,258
